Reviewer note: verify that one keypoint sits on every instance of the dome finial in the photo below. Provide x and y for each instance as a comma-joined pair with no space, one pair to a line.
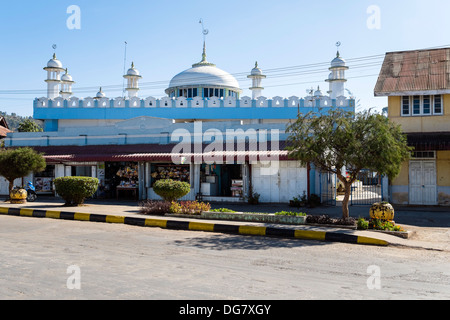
338,44
204,62
204,52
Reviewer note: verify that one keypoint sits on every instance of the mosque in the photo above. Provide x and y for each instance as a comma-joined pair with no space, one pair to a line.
204,132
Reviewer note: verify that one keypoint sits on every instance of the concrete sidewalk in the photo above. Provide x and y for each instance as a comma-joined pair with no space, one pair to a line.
130,209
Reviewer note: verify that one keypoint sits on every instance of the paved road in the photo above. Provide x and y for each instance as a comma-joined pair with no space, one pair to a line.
126,262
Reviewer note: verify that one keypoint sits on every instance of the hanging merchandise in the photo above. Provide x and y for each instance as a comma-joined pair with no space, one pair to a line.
180,173
128,172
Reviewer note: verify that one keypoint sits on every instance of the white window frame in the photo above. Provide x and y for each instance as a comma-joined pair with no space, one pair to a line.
421,113
442,105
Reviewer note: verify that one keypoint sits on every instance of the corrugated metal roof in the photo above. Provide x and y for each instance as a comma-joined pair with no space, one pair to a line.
414,71
155,152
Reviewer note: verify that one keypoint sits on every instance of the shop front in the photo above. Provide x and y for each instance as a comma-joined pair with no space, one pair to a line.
222,182
121,180
169,170
43,181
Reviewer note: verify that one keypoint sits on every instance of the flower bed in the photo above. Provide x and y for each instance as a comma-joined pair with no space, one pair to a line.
282,217
384,226
325,220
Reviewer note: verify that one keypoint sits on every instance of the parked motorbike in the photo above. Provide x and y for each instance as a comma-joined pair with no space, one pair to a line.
31,192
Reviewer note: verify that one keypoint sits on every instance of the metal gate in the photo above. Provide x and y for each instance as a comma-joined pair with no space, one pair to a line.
368,189
328,188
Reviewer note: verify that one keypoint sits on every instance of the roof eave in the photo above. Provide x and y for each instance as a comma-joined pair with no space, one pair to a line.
411,93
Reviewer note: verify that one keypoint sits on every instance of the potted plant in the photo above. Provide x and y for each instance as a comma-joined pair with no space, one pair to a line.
253,198
382,210
18,195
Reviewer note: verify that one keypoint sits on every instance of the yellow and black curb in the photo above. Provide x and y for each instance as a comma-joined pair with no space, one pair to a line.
197,226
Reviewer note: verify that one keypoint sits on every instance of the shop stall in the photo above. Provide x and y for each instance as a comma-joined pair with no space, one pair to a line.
221,180
43,181
122,180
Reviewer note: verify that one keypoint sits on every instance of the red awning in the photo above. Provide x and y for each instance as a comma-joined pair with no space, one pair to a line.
156,153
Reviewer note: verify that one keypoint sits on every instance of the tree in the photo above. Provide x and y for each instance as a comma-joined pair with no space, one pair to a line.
17,163
29,125
341,140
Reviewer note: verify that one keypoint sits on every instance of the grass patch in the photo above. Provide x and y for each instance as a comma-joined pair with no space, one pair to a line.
290,213
222,210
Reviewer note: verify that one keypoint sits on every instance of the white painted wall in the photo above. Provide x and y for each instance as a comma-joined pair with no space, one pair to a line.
279,183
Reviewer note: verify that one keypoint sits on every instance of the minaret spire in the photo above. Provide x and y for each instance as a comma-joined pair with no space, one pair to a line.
204,62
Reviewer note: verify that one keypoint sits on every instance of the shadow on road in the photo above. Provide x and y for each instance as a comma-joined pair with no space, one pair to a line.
221,242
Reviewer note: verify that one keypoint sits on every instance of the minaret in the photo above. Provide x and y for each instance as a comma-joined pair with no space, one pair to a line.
256,76
100,94
53,68
132,77
337,77
66,85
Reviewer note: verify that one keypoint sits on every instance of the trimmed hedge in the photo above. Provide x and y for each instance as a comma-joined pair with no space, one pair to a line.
171,190
75,189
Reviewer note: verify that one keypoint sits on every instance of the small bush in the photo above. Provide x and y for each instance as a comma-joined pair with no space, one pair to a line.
290,213
362,224
189,207
253,198
153,207
171,190
74,190
325,219
223,210
378,224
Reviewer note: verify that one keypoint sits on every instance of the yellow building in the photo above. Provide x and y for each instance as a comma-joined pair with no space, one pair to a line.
417,84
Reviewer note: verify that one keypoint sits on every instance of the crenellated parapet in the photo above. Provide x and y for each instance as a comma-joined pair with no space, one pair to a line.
194,103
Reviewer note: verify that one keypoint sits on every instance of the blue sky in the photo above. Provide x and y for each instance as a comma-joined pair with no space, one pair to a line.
164,38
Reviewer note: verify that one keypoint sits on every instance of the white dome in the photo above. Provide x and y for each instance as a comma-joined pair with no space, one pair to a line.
256,71
66,77
318,92
338,61
54,63
133,71
100,94
206,75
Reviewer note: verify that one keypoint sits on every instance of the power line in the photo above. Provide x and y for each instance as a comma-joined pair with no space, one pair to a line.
239,76
274,73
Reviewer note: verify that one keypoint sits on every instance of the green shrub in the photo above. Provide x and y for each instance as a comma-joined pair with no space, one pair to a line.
363,224
290,213
189,207
378,224
75,189
223,210
171,190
